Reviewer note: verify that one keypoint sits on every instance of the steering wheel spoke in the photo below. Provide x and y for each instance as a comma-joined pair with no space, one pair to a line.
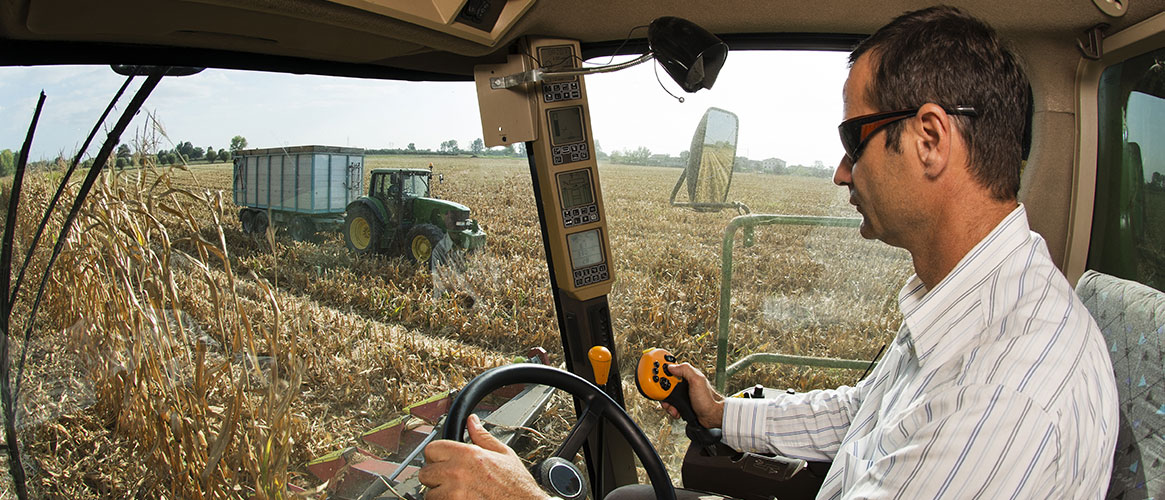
581,430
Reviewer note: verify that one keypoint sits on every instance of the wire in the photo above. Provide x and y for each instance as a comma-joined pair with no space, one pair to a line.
621,45
872,361
661,85
15,466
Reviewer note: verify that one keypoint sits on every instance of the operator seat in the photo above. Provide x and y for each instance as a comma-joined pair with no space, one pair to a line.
1132,318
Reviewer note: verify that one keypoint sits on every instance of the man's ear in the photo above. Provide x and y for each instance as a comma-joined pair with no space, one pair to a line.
933,137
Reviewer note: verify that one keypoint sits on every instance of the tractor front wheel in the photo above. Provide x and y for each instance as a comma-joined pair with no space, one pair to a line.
426,241
362,230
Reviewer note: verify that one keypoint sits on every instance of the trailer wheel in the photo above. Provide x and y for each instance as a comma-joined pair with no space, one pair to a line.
247,219
302,228
260,224
361,230
426,244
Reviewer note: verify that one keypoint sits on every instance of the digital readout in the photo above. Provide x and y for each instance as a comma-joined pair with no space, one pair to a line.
566,125
575,189
557,57
586,248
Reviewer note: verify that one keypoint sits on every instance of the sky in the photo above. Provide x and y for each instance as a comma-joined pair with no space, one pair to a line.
789,104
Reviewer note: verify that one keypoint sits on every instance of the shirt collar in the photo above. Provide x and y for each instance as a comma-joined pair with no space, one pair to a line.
922,309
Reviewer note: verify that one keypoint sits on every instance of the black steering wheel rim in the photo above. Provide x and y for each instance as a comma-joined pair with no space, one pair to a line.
594,400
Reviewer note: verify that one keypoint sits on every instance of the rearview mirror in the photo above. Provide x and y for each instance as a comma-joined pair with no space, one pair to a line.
140,70
711,159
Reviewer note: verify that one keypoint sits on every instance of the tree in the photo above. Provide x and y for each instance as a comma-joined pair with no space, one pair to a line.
224,155
211,154
186,149
123,151
197,153
449,146
412,146
238,142
477,147
7,162
637,157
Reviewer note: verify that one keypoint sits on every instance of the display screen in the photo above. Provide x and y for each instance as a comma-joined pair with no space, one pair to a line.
586,248
566,125
575,189
556,57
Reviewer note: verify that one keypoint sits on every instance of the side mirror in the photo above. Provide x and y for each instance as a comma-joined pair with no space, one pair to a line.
711,159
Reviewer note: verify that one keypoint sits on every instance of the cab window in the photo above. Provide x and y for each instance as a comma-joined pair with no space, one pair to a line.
1128,226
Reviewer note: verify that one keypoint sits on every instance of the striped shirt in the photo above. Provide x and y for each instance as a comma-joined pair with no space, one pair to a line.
998,385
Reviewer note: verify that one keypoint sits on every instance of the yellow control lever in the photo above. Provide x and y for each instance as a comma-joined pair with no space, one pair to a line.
600,363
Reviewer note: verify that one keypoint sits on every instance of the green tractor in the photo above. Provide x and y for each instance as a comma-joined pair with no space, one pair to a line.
398,216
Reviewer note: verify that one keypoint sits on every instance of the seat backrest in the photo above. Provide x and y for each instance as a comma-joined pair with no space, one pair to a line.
1132,317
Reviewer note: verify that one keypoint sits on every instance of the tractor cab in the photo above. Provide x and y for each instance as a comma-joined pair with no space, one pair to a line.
394,187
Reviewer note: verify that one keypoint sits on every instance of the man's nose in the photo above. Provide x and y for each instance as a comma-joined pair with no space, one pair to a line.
843,175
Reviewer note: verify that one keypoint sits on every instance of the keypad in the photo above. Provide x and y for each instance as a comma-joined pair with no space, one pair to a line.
576,216
591,275
557,92
569,153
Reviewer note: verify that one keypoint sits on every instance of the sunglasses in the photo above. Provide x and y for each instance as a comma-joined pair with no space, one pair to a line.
856,132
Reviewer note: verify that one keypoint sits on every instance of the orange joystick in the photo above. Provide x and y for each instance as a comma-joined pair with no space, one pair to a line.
600,363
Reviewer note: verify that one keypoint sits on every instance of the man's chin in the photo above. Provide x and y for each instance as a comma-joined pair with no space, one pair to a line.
867,230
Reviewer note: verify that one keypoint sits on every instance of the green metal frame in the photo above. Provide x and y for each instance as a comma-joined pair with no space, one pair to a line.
749,222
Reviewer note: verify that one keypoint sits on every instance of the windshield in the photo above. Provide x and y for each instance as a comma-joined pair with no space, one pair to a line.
216,326
416,185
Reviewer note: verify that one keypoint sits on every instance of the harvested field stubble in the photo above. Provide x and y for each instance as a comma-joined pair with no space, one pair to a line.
219,363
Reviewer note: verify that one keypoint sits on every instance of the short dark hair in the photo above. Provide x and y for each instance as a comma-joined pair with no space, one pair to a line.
942,55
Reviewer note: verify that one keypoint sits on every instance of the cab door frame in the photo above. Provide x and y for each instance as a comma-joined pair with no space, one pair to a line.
1130,42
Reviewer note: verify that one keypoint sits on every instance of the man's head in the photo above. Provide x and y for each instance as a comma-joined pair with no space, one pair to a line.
943,56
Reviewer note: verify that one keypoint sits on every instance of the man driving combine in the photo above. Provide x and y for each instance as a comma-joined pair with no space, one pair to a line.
998,384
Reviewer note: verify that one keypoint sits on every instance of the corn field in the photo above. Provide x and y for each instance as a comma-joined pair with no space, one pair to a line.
177,357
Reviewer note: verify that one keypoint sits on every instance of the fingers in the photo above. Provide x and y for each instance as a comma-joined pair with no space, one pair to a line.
442,450
483,438
671,410
686,372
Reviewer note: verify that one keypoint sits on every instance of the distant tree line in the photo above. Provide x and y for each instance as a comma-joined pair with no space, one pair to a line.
643,156
453,148
183,153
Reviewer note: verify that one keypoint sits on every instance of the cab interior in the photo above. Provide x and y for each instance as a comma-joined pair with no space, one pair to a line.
1091,185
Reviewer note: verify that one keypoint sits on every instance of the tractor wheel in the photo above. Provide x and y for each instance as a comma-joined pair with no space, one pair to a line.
247,219
302,228
425,244
362,230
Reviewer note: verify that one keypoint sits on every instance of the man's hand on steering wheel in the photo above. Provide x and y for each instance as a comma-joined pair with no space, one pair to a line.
485,469
706,402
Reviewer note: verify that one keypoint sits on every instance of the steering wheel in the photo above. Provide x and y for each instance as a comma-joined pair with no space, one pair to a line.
596,406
